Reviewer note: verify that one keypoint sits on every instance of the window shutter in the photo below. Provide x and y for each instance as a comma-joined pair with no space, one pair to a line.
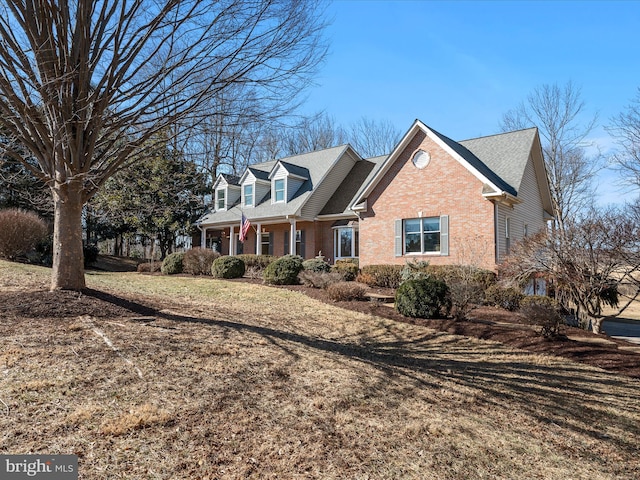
270,243
444,235
286,242
302,243
398,238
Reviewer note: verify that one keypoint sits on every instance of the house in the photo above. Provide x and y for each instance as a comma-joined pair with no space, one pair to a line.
431,199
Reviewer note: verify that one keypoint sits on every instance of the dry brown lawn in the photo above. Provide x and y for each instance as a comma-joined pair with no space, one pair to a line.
151,377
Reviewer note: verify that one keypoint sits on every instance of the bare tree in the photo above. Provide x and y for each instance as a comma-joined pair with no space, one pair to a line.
372,138
558,113
84,84
312,133
626,129
594,262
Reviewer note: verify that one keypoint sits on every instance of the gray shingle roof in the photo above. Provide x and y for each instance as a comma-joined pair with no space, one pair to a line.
317,164
295,169
474,158
506,154
352,185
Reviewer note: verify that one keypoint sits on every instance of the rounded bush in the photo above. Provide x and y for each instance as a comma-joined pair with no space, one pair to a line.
316,265
198,261
508,298
347,268
422,298
173,264
20,232
283,271
228,267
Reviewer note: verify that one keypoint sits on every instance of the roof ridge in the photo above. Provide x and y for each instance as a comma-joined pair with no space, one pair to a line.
498,134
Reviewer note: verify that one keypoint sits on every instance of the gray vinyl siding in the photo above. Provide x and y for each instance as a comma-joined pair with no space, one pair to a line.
261,191
323,191
530,213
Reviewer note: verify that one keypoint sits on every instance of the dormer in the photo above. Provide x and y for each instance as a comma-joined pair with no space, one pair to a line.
226,192
286,179
255,186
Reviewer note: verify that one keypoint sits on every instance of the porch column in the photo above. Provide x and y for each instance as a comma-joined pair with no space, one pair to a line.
258,238
292,237
203,237
232,241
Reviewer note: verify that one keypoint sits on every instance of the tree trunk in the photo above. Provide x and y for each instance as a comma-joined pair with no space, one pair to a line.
68,259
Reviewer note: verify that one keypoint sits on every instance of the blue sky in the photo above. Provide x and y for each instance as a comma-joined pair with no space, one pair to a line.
459,66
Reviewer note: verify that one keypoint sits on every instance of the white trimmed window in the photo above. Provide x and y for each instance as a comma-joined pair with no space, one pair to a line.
346,242
278,187
419,236
247,193
221,203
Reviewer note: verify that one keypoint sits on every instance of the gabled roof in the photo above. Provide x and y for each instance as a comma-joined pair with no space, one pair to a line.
260,172
498,161
353,184
229,179
294,170
316,164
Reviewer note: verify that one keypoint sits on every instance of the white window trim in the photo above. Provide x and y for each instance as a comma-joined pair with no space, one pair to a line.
224,207
337,245
421,253
253,195
284,190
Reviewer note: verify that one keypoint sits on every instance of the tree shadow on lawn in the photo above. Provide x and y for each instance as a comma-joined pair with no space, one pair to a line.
555,393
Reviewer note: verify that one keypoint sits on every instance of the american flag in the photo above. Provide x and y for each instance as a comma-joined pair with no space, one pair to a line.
245,224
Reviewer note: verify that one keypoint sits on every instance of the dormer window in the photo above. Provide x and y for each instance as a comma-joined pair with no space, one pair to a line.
248,195
278,186
220,199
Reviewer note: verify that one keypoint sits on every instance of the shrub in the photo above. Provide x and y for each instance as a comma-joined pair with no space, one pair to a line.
258,262
283,271
90,253
20,232
422,298
172,264
198,261
346,291
228,267
348,268
149,267
544,312
508,298
386,276
318,279
414,270
528,300
316,265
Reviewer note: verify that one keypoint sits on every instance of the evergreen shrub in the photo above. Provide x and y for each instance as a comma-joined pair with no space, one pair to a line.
228,267
508,298
316,265
172,264
348,268
283,271
422,298
385,276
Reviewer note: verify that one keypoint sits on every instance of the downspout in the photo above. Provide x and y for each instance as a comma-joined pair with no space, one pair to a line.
495,232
